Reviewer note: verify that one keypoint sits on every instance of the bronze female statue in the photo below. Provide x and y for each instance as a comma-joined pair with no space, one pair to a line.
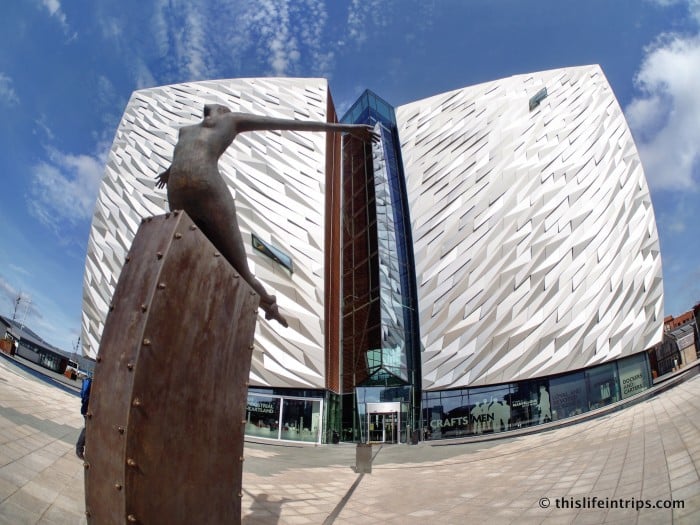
196,186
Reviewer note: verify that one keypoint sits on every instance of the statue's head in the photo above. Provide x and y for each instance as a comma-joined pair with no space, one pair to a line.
215,109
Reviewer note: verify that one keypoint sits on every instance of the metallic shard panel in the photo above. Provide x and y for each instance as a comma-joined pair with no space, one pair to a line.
536,246
278,180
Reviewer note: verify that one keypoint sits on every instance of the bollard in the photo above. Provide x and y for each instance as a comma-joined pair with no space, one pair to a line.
363,458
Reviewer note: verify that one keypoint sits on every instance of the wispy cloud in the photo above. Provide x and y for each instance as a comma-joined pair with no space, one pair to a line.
16,302
64,187
368,15
43,127
267,37
180,34
55,11
665,116
8,95
677,216
8,294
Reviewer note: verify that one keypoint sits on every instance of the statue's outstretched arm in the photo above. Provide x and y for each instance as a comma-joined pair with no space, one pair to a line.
245,122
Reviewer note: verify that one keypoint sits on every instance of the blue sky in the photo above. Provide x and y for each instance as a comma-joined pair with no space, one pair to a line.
67,70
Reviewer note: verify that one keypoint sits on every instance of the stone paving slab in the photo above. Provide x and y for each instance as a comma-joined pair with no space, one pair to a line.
649,451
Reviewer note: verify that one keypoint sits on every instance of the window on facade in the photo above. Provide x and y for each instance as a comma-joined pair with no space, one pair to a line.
567,395
634,375
537,98
301,420
262,416
447,414
273,253
603,386
490,409
529,404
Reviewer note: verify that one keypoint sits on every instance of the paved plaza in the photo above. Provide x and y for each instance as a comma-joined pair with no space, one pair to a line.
644,455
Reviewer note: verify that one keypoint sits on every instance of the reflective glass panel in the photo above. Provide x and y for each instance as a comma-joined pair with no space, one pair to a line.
603,386
567,396
446,414
634,375
301,420
490,409
262,416
529,404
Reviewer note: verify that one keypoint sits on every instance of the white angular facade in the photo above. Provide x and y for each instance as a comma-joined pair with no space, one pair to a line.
278,180
535,242
534,246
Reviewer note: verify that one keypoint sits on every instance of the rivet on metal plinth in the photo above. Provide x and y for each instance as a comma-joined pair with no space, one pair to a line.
193,227
236,276
131,462
159,255
130,365
118,486
86,465
89,415
161,286
111,306
128,258
244,421
250,347
178,235
167,215
120,430
176,213
217,254
241,458
240,494
99,359
87,513
144,307
131,518
136,402
146,342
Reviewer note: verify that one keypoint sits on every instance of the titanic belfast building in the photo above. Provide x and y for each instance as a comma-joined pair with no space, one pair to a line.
491,263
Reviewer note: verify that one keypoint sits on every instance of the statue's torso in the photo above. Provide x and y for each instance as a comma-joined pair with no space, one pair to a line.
194,170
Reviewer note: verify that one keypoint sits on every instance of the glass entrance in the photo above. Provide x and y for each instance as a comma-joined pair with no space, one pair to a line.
383,428
383,422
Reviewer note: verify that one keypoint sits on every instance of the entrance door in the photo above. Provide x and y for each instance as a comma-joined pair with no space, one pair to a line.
383,422
383,428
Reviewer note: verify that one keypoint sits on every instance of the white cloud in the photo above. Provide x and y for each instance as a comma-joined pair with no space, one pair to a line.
55,11
693,6
368,15
8,293
64,188
665,117
44,127
143,76
54,8
8,95
198,40
180,31
23,309
267,28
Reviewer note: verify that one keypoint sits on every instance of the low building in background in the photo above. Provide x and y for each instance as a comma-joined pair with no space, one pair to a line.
491,263
25,343
679,347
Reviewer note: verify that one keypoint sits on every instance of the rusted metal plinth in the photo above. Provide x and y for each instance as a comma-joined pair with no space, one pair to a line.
165,422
